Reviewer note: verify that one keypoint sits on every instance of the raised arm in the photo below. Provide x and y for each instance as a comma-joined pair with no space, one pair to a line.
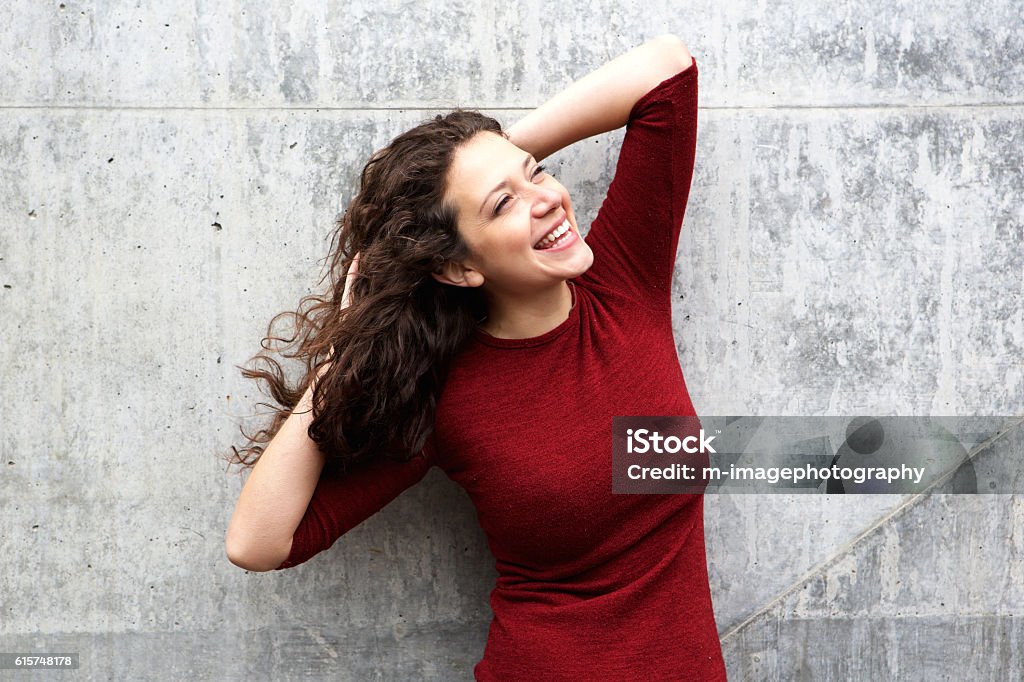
277,493
294,506
601,100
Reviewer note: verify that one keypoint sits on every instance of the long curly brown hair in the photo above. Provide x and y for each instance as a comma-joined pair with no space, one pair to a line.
385,357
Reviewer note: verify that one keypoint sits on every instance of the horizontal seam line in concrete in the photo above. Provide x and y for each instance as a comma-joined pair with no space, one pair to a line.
442,107
902,509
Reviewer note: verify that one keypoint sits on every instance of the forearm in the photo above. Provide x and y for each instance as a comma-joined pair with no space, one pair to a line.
601,100
276,494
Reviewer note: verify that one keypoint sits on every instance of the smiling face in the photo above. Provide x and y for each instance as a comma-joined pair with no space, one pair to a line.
515,233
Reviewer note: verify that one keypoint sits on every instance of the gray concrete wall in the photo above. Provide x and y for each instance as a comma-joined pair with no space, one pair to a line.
169,173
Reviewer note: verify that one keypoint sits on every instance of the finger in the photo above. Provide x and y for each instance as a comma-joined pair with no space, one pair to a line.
353,271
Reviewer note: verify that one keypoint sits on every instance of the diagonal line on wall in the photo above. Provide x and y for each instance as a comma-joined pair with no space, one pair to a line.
900,510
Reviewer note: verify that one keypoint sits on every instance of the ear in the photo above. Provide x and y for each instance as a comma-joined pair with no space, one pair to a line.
459,275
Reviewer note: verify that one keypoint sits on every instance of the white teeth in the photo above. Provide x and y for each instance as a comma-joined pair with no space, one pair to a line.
552,236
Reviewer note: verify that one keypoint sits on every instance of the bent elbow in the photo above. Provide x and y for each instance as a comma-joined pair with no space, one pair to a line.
255,558
676,50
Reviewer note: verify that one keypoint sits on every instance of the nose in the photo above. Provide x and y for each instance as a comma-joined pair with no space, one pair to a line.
546,199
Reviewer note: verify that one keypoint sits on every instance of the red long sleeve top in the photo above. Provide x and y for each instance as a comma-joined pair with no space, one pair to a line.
592,586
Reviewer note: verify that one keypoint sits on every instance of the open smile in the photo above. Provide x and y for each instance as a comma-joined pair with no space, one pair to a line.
556,238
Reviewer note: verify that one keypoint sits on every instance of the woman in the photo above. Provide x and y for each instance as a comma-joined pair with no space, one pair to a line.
484,336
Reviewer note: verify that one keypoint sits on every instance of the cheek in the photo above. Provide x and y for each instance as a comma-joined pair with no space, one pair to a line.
493,251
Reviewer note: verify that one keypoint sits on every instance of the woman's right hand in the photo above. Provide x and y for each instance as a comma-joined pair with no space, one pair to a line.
353,272
346,297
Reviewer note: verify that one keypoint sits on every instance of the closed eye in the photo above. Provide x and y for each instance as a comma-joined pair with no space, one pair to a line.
541,168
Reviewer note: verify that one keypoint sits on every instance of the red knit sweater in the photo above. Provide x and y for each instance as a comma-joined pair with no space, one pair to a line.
592,586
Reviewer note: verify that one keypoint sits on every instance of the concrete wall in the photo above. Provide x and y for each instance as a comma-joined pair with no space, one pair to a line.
169,173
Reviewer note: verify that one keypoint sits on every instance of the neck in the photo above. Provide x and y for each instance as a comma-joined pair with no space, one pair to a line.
516,317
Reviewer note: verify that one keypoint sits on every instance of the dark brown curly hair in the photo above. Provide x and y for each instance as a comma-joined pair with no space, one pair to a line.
385,357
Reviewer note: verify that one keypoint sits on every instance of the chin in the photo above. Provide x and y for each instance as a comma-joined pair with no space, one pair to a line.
586,260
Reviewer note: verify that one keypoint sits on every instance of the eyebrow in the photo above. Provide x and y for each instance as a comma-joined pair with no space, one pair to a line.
503,183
